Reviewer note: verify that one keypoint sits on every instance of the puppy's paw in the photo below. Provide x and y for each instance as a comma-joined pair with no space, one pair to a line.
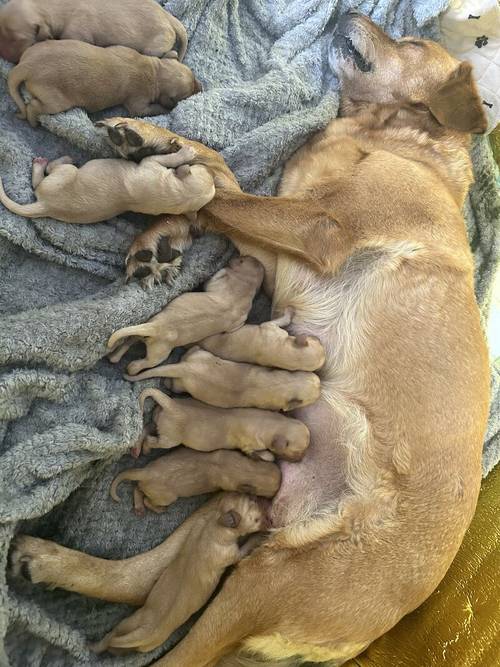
135,139
34,559
155,256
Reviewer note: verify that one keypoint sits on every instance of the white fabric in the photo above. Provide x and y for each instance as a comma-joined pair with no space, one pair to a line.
471,31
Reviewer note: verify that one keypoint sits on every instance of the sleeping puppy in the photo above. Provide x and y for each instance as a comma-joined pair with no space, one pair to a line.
226,384
184,473
268,344
207,549
205,429
103,189
144,26
60,75
222,306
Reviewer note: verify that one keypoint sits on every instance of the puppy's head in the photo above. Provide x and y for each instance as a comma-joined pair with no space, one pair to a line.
374,68
241,514
19,29
176,82
247,268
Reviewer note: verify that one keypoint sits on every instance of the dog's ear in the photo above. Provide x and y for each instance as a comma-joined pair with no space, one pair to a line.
279,444
42,32
230,519
457,105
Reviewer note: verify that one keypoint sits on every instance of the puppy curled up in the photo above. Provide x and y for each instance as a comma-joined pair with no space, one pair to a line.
144,26
59,75
226,384
267,344
103,189
209,544
222,306
206,428
184,473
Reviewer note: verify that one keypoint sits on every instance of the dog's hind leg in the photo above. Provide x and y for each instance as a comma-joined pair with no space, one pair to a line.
38,171
33,111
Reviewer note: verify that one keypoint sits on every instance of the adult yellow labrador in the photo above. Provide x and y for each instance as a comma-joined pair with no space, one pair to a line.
367,243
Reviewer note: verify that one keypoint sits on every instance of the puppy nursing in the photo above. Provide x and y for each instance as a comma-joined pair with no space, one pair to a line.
226,384
222,306
102,189
184,473
60,75
209,546
144,26
205,428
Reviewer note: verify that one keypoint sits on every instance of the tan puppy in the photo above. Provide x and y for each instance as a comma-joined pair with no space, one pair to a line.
268,344
207,550
222,306
102,189
226,384
60,75
143,26
184,473
203,428
367,243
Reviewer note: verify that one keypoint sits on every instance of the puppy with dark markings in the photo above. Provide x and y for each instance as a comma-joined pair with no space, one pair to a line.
205,428
60,75
143,26
222,306
268,344
103,189
184,473
227,384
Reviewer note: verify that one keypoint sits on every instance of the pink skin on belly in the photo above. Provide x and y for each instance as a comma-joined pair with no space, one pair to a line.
318,479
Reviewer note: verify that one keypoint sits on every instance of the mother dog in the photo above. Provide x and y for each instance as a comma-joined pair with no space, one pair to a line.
367,243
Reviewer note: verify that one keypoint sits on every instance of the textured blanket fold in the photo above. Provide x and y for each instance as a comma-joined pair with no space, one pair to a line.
66,415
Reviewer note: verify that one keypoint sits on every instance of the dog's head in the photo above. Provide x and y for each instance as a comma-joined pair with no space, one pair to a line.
19,29
373,68
176,82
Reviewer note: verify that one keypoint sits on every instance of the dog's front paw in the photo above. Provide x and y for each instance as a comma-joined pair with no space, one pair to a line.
155,256
136,139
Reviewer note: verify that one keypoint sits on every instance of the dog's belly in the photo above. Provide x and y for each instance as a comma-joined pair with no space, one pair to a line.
318,481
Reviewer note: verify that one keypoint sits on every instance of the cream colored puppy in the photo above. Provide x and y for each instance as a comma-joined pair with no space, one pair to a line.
63,74
102,189
226,384
205,428
184,473
268,344
207,549
144,26
222,306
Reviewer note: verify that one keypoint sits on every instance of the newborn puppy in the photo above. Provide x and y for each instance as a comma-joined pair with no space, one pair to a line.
223,306
210,546
143,26
102,189
184,473
60,75
204,428
227,384
268,345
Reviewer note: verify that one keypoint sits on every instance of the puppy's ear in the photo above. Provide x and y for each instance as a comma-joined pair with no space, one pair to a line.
457,105
230,519
279,444
42,32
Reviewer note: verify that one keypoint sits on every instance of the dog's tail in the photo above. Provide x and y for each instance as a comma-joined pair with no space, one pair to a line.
133,474
35,210
17,76
167,371
162,399
181,38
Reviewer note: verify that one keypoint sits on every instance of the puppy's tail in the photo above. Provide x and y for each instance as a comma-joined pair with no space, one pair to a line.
136,330
181,40
35,210
157,395
134,475
167,371
17,76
